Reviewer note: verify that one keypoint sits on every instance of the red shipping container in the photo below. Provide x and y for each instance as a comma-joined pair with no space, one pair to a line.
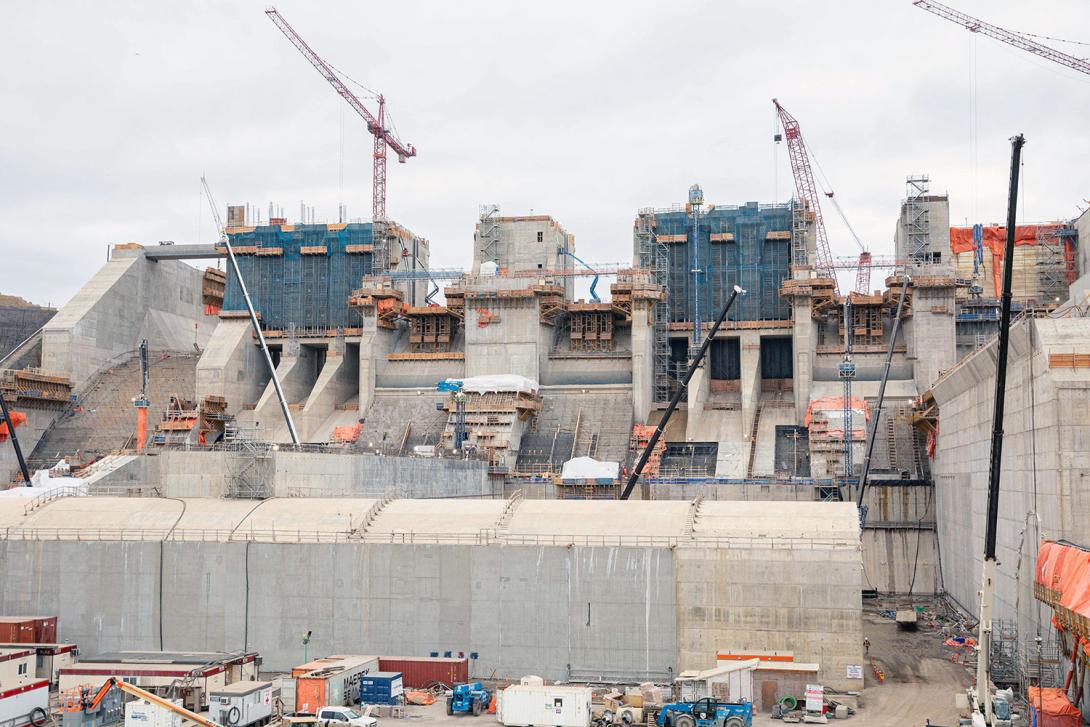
45,630
420,671
16,630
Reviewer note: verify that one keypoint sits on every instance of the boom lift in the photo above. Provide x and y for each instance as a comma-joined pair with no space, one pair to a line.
114,682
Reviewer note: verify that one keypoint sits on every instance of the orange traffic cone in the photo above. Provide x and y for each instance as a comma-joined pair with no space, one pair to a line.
492,704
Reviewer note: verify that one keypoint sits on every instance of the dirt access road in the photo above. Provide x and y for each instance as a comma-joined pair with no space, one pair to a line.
920,683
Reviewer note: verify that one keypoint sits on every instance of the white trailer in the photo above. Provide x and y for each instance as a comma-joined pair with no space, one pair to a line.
24,703
242,703
531,705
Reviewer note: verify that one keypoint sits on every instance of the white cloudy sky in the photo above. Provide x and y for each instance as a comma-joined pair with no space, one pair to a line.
586,111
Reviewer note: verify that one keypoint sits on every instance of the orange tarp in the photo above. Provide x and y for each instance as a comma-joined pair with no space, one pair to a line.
1066,569
349,433
994,239
1053,708
834,403
18,419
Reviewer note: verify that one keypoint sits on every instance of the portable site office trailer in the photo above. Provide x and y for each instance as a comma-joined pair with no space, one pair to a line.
16,666
527,705
50,658
242,703
22,701
156,671
28,629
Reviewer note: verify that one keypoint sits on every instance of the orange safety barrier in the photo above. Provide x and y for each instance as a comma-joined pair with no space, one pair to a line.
18,419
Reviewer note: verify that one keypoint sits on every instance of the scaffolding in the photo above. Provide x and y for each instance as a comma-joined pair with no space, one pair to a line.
489,233
917,218
802,221
653,257
1056,261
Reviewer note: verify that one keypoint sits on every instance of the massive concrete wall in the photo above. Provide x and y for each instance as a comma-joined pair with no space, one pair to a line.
130,298
557,612
1046,462
598,613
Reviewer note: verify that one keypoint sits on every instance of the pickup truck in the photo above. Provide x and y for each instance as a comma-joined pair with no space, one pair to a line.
340,716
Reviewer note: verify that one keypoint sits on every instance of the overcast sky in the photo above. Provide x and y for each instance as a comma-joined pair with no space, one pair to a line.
583,110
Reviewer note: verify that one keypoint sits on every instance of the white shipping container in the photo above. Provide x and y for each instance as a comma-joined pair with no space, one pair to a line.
139,713
525,705
242,703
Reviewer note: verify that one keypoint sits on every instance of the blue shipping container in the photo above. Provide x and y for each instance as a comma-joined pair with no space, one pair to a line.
382,687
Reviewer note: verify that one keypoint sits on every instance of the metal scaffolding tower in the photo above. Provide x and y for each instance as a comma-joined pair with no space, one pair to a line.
490,233
1055,262
652,256
917,218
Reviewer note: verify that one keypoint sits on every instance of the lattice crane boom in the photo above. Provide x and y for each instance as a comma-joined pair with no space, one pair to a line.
1010,37
805,186
375,125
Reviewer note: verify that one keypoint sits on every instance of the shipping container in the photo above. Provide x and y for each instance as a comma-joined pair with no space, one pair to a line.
522,705
19,703
382,687
17,629
335,682
420,671
139,713
242,703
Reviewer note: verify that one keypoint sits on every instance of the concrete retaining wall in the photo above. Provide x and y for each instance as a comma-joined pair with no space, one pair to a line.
581,612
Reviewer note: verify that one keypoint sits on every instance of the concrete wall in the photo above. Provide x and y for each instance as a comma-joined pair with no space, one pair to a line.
519,248
512,345
130,298
556,612
180,473
232,366
796,599
930,331
1046,462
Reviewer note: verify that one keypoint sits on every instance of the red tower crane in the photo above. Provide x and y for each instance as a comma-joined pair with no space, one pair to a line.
376,126
807,190
1010,37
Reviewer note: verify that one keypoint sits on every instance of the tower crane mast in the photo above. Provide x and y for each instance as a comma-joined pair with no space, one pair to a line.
375,125
1010,37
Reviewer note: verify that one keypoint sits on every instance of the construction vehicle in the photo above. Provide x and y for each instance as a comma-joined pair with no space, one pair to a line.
988,709
114,683
707,712
470,697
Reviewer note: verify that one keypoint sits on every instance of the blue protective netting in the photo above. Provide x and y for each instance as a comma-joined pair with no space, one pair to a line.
307,291
757,264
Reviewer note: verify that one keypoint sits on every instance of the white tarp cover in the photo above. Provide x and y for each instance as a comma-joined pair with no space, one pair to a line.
489,268
41,482
498,383
588,468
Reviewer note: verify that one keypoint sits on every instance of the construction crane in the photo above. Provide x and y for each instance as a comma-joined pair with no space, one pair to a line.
225,240
1010,37
863,266
115,683
807,190
375,125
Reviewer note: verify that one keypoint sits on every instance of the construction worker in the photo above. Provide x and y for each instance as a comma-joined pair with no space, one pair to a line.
866,645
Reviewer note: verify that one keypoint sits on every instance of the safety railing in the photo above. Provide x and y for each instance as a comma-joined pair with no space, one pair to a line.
485,536
54,494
